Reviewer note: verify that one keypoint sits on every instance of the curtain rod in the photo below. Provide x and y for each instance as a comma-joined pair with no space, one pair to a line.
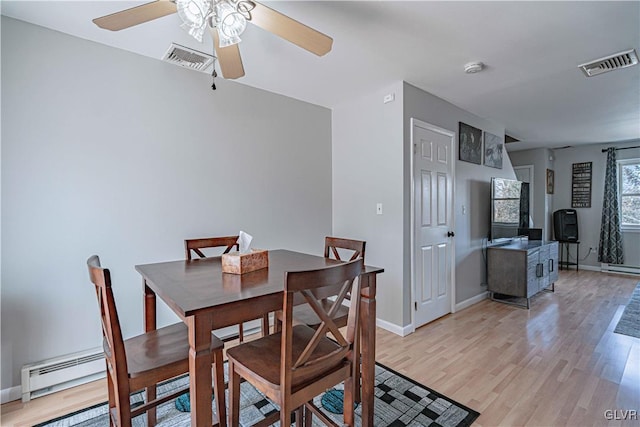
604,150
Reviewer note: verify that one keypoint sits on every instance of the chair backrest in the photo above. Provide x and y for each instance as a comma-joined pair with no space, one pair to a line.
301,361
112,341
332,245
196,245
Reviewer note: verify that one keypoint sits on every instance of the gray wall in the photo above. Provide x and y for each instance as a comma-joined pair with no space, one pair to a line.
108,152
589,218
472,190
380,133
541,159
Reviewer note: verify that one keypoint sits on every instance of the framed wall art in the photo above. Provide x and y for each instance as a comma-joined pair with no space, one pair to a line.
470,144
581,185
492,150
550,181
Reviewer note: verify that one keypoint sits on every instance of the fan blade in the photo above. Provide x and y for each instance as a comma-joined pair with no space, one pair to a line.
291,30
228,57
136,15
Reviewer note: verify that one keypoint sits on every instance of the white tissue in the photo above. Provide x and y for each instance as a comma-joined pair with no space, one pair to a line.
244,240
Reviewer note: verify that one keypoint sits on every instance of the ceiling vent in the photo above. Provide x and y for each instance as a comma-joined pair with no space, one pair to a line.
189,58
610,63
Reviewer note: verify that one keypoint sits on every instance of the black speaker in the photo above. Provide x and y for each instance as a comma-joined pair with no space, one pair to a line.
565,225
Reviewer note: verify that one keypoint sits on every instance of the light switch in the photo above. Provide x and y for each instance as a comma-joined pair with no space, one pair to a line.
379,209
464,210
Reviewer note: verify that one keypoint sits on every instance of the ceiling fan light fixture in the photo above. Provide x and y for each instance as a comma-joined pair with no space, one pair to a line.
194,15
231,23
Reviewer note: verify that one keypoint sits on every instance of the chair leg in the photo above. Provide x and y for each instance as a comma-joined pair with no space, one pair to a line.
112,399
122,408
299,416
277,323
241,333
265,325
285,413
152,419
356,372
348,411
234,396
218,381
308,417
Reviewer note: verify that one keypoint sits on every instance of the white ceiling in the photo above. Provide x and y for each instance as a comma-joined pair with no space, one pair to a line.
531,84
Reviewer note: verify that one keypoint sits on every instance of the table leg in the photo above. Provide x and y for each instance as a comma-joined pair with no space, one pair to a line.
149,308
150,325
200,369
368,343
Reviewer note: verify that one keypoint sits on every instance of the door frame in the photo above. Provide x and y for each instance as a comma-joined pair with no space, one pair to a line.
413,121
531,186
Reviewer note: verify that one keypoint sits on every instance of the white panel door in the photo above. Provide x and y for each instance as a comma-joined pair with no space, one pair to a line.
433,222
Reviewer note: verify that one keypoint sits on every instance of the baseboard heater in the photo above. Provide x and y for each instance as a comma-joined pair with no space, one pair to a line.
620,269
59,373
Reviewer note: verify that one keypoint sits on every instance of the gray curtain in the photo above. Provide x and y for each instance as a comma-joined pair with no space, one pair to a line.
610,250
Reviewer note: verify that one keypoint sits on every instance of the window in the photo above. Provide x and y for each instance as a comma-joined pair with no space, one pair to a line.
629,189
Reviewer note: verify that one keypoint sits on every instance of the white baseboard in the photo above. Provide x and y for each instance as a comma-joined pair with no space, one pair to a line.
403,331
471,301
627,270
10,394
588,267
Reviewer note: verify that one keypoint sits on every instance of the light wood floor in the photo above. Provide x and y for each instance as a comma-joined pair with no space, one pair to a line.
557,364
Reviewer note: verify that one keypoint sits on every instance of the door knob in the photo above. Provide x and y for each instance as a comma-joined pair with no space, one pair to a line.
450,234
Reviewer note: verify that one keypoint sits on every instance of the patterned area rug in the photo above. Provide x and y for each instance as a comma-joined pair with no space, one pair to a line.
629,323
399,402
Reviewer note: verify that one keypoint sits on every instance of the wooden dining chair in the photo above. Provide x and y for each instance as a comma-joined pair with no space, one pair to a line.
229,243
141,362
333,248
299,363
192,246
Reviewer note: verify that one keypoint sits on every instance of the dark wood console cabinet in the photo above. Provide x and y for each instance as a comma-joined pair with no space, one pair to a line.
521,269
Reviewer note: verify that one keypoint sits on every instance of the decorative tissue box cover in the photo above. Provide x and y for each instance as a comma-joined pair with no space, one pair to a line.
237,263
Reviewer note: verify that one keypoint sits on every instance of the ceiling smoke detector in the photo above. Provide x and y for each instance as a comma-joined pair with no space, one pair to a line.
609,63
473,67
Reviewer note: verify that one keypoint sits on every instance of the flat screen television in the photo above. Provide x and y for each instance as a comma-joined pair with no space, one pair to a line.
509,208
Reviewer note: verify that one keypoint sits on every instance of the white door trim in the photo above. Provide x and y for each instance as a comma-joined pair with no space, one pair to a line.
531,184
452,135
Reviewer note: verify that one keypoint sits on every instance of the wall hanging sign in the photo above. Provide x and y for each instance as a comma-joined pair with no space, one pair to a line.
470,144
581,185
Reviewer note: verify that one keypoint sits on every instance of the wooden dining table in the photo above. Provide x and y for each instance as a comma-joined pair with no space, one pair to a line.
206,299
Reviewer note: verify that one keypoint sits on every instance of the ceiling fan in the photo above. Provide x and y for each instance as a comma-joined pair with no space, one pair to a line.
225,20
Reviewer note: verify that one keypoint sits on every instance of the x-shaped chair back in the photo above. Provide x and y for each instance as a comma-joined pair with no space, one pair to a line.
196,245
314,287
334,245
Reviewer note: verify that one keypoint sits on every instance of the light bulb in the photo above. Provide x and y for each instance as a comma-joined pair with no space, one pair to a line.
230,23
193,14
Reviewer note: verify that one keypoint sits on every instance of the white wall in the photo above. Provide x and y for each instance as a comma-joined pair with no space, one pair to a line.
541,159
380,134
367,169
589,219
472,190
108,152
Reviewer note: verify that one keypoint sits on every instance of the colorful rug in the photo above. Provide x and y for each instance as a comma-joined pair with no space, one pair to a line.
399,401
629,323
